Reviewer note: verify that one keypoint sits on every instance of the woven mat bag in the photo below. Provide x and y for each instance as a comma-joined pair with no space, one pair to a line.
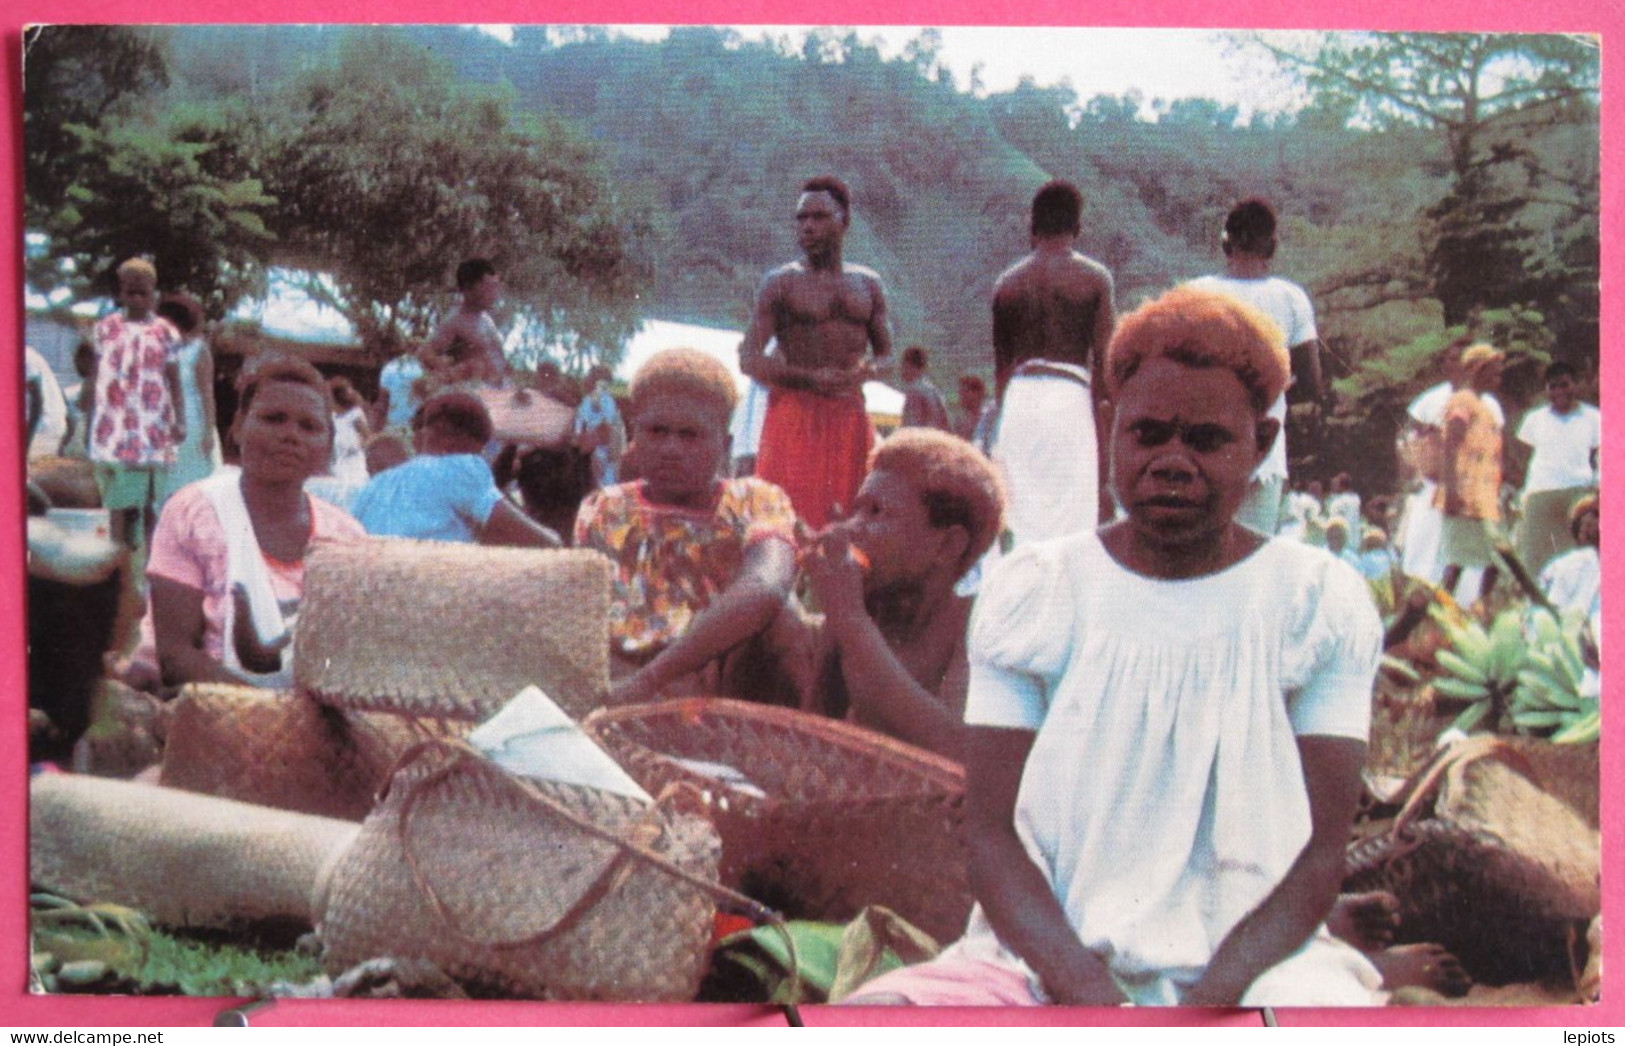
182,858
1488,864
286,750
834,817
441,629
527,888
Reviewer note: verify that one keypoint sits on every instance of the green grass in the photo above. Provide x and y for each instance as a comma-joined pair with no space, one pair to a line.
198,967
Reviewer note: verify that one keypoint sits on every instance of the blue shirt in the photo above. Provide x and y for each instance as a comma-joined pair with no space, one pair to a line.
397,377
439,497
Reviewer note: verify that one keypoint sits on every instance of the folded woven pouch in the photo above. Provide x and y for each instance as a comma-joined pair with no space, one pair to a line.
1488,864
834,817
286,750
527,888
440,629
182,858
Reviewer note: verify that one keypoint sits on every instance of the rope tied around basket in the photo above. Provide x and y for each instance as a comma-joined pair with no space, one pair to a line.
678,796
1448,765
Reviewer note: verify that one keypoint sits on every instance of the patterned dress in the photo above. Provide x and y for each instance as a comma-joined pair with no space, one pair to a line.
670,563
134,414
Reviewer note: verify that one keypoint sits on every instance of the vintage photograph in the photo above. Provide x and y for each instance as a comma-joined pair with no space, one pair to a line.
873,516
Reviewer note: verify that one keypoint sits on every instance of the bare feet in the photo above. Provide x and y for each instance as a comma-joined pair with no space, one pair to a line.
1427,966
1365,920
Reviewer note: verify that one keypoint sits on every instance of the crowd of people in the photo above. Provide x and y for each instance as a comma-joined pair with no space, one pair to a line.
1094,585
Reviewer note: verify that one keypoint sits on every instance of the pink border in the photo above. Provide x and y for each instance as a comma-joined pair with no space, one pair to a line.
1580,16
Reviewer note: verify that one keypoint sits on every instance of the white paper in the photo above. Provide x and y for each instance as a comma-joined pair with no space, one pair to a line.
533,737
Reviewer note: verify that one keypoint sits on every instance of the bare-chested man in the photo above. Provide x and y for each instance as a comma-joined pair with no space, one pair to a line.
829,322
468,346
1052,318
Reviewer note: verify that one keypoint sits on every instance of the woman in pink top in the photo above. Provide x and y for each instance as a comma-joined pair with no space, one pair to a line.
228,556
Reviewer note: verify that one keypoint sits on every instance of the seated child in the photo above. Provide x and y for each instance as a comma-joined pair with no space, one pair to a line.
1166,718
703,565
893,645
447,492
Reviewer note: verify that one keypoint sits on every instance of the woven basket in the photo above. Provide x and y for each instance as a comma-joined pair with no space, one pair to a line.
526,888
440,629
183,859
1489,865
850,818
285,750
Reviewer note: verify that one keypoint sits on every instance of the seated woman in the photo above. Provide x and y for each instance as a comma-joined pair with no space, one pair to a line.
892,655
447,492
1166,718
228,556
702,565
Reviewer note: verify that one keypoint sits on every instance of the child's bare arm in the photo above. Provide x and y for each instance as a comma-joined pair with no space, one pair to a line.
743,609
177,399
1015,896
882,690
1283,922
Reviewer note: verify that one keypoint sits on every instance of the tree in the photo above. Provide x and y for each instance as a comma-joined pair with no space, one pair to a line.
77,76
389,173
1492,98
159,189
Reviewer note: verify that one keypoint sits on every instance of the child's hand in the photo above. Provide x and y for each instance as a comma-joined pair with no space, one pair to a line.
835,568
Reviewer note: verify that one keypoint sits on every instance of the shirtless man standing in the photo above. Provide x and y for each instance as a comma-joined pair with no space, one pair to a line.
468,346
826,318
1052,318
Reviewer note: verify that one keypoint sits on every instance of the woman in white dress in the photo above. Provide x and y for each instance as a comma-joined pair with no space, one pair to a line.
1166,718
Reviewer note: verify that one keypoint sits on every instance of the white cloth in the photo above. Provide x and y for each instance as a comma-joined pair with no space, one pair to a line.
746,425
1562,447
1573,581
53,421
1288,305
1428,408
1345,505
1419,535
349,453
245,566
1045,448
1164,798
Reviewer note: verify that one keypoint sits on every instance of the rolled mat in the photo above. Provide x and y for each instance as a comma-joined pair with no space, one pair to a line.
527,888
829,818
440,629
1488,864
286,750
184,859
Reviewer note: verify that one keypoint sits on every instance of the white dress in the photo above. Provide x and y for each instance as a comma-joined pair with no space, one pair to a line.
349,454
1164,798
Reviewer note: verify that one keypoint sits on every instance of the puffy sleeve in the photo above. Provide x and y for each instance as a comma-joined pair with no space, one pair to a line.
1020,640
1332,655
589,529
767,513
187,545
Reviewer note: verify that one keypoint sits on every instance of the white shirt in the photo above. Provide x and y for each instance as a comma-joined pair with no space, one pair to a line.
1288,305
1164,798
1429,407
53,421
1563,444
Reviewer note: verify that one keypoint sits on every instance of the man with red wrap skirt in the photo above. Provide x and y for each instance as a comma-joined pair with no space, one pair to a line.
828,323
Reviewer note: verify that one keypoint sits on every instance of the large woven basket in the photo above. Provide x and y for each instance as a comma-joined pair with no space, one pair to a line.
1488,864
527,889
440,629
184,859
849,818
286,750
